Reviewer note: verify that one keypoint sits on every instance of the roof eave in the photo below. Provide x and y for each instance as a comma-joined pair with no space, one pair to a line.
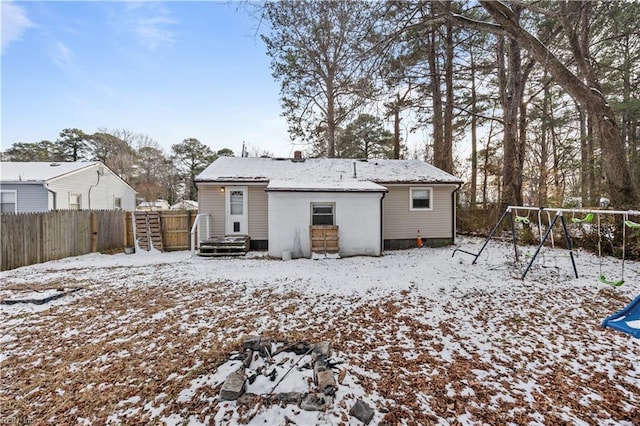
418,181
23,182
374,190
242,179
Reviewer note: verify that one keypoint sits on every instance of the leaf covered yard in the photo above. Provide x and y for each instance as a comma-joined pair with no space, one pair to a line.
420,336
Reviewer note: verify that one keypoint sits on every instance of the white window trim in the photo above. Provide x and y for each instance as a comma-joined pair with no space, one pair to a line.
71,194
421,209
325,203
15,198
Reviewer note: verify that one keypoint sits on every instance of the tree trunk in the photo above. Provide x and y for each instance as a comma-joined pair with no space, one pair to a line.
396,132
330,134
485,176
474,133
584,157
521,147
447,148
543,171
594,175
512,93
485,168
436,94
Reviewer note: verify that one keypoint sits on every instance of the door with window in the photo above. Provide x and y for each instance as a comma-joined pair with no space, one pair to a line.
237,216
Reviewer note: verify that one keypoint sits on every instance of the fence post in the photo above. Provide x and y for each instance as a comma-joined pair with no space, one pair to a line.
188,229
94,232
126,231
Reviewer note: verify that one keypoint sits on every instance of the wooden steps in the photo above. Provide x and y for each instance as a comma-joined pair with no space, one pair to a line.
230,245
148,230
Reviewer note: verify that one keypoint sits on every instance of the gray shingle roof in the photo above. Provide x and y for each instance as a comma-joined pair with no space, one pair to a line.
38,171
316,172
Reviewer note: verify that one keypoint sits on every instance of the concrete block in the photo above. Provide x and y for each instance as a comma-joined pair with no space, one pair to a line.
316,402
288,398
251,342
322,349
233,387
319,365
362,411
326,383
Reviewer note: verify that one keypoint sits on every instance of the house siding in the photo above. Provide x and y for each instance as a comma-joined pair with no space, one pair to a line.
356,214
402,223
258,213
211,201
30,197
103,191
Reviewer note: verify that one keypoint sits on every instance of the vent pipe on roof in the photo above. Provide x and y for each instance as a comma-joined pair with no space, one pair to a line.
355,174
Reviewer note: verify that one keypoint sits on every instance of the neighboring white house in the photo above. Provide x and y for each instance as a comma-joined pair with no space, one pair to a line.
43,186
185,205
153,205
375,204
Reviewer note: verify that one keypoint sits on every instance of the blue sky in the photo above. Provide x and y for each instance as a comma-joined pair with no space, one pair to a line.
169,70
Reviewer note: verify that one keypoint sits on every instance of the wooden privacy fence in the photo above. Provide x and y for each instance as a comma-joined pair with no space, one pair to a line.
29,238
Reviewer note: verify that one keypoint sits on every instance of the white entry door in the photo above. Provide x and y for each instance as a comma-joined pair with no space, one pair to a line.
237,220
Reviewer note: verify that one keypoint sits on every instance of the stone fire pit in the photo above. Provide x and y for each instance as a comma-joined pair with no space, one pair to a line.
283,373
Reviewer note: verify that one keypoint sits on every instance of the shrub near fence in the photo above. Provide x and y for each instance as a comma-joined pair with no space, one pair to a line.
480,222
29,238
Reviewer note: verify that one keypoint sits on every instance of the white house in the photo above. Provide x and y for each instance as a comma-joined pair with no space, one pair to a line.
43,186
371,205
185,205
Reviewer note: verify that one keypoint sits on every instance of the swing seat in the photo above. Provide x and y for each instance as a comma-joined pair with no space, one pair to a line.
587,219
522,219
632,225
604,280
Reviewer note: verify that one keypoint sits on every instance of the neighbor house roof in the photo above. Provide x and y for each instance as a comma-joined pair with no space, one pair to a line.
156,203
185,203
39,171
323,173
42,172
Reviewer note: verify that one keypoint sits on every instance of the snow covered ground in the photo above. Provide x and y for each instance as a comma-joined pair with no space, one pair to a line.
423,337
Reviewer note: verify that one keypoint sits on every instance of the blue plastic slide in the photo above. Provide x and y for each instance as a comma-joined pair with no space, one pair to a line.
627,320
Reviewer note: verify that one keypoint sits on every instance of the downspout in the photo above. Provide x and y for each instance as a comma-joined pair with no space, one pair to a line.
453,215
382,224
92,186
54,194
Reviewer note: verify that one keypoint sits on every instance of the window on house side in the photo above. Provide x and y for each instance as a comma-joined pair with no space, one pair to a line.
8,202
75,201
420,199
117,203
322,214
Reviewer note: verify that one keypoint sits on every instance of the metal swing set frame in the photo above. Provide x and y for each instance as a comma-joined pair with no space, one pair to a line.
511,213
